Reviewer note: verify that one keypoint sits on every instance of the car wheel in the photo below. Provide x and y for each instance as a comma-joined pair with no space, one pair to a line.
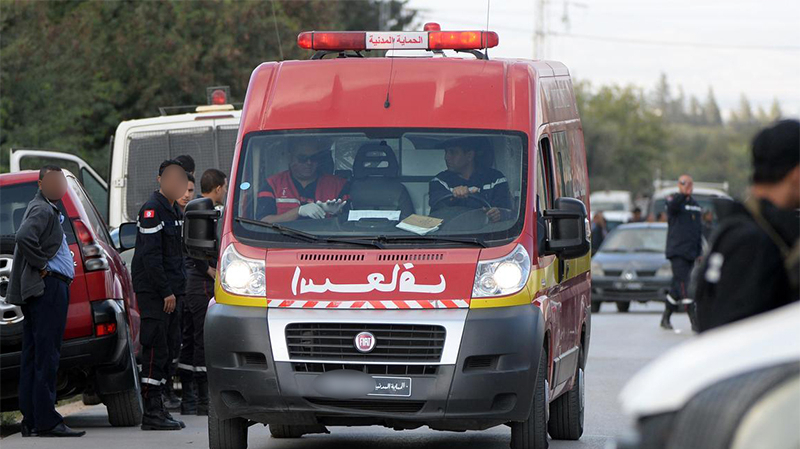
125,408
532,433
226,433
711,418
567,411
623,306
285,431
596,306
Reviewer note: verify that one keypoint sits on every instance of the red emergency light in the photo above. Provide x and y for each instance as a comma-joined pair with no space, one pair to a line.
430,39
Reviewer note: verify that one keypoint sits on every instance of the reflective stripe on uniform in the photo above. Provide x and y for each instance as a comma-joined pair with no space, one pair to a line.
153,230
496,182
196,369
442,183
147,380
287,200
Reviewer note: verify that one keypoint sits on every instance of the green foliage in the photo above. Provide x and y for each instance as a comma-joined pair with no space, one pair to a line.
72,71
631,141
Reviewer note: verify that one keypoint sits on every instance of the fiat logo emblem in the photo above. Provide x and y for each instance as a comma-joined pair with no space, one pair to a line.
365,342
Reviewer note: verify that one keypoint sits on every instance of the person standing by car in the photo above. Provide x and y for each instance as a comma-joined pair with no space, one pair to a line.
754,259
199,291
599,231
684,245
43,270
159,280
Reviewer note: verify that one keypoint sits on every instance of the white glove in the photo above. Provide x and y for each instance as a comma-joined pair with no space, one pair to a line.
332,206
311,210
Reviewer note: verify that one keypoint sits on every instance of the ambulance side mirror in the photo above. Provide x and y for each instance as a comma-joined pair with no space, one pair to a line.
200,229
568,229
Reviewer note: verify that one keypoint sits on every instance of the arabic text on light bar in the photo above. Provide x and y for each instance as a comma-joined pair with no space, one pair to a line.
397,41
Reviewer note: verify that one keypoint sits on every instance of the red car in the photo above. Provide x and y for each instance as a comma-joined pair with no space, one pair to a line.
101,339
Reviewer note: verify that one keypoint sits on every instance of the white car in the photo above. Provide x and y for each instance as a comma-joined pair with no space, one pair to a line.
735,387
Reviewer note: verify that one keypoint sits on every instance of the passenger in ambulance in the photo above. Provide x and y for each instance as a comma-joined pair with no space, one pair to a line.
470,181
305,190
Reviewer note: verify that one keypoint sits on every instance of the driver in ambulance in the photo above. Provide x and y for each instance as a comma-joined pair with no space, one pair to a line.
466,177
302,190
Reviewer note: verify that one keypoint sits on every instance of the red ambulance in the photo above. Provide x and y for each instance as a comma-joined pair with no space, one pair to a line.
405,244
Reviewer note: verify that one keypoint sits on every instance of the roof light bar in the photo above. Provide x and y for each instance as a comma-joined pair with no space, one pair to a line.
431,39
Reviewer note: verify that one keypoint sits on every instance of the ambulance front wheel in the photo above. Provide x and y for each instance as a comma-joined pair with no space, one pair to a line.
532,433
226,433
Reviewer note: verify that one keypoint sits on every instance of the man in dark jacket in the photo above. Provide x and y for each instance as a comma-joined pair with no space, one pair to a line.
753,262
684,245
199,291
43,270
159,280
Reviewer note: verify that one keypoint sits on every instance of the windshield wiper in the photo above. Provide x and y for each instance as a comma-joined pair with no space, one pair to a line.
306,236
433,238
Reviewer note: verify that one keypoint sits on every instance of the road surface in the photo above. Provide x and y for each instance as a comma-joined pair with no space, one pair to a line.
621,344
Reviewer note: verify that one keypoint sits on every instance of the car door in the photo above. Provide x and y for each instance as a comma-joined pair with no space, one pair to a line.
94,184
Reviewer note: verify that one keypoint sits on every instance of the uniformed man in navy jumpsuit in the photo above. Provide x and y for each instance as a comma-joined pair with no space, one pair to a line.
159,280
467,181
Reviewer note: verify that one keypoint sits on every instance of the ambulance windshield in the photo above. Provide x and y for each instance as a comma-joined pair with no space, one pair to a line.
391,186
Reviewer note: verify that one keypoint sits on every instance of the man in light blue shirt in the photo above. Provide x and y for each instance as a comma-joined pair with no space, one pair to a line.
62,262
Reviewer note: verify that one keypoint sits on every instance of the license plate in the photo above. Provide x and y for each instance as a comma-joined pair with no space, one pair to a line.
628,285
392,386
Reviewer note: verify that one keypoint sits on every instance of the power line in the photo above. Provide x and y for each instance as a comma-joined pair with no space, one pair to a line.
624,40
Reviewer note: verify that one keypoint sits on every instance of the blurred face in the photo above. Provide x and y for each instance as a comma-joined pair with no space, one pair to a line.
304,163
686,185
174,182
53,185
459,159
188,196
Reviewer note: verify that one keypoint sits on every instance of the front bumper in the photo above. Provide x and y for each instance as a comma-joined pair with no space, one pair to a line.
490,382
617,290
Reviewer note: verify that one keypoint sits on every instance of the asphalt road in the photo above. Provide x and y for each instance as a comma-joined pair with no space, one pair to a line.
621,344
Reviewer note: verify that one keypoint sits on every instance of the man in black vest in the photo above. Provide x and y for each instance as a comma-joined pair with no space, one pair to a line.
753,262
684,245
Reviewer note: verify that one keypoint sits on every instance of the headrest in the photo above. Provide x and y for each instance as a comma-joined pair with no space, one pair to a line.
484,154
375,159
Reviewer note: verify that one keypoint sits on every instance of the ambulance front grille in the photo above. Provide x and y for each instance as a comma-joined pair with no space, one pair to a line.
336,341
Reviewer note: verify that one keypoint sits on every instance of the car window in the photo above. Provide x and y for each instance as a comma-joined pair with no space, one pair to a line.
96,191
14,201
563,163
95,221
647,240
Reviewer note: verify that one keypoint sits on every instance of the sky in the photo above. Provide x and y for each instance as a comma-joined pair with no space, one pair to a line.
734,46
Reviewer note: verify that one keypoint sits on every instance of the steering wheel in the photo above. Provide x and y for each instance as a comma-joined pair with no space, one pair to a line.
482,201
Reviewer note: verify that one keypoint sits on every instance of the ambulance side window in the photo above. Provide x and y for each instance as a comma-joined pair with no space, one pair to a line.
563,163
544,195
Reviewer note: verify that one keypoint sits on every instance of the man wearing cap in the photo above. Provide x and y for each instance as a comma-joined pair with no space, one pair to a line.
752,265
466,178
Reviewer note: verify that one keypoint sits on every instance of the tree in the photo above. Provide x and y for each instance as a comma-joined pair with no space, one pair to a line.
72,71
711,110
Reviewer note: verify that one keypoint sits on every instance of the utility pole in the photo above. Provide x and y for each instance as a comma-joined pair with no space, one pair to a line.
539,32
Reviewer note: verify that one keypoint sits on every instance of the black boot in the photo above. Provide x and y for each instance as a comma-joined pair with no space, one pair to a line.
665,324
171,400
201,380
188,393
155,415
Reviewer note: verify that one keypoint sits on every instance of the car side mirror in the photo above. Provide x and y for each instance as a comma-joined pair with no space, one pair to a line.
569,234
127,236
200,229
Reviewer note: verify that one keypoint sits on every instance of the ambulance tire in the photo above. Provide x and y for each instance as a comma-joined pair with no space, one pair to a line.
623,306
532,433
226,433
567,411
285,431
596,306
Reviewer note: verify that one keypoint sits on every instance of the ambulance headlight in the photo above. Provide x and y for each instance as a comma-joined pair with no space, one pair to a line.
504,276
241,275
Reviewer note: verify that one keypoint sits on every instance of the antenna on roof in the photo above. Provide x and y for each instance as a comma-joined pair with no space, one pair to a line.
486,50
277,33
